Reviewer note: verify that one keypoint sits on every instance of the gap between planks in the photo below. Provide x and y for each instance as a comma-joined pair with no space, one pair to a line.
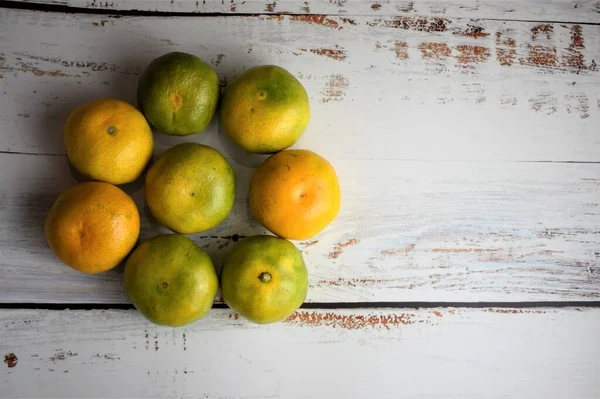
333,305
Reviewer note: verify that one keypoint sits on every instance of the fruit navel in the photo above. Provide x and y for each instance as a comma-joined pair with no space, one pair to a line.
265,277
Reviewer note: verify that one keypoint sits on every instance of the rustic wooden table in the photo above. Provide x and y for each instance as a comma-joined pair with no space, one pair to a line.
465,260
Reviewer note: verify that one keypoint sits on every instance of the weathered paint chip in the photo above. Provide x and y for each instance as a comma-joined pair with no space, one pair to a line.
322,20
436,51
506,52
336,53
465,250
276,17
410,6
544,29
574,58
101,23
335,88
576,38
579,104
339,247
353,282
270,7
540,56
420,24
391,252
61,355
106,356
472,54
473,31
11,360
29,68
401,50
545,103
349,21
517,311
217,61
350,322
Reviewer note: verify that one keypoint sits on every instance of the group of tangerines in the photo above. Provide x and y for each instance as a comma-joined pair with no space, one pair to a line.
94,225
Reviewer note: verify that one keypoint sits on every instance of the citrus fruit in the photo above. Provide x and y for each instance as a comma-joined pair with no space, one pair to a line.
178,93
265,110
170,280
92,226
190,188
108,140
295,194
264,279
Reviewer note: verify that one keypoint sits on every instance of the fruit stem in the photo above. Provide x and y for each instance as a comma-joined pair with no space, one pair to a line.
265,277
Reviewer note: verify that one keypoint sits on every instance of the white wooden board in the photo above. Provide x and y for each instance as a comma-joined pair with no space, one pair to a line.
380,87
435,353
529,10
427,140
468,156
408,231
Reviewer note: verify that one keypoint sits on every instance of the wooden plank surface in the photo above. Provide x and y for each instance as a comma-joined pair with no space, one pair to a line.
408,231
530,10
380,87
468,156
428,123
435,353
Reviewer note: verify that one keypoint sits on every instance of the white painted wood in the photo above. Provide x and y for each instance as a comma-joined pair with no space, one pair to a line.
432,210
408,231
437,353
380,87
425,120
530,10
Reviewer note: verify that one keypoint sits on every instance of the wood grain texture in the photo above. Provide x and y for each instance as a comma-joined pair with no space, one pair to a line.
408,231
423,128
380,87
530,10
437,353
